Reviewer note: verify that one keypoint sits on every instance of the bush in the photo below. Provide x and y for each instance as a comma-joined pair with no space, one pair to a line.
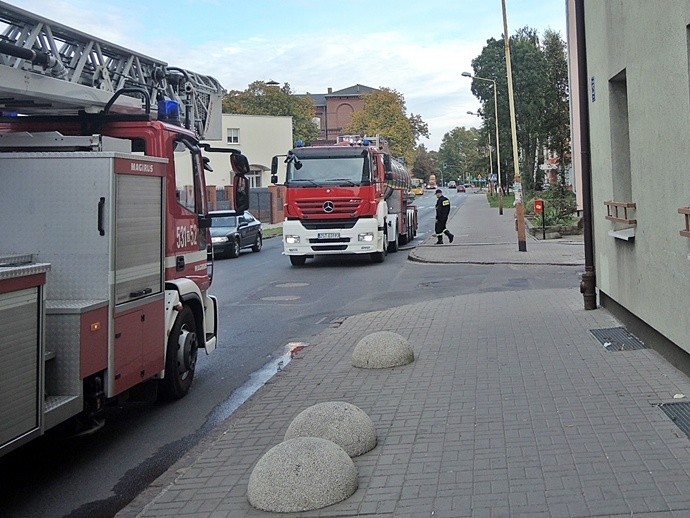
559,205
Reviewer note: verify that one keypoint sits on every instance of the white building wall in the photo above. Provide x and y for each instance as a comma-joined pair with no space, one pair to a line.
638,63
260,138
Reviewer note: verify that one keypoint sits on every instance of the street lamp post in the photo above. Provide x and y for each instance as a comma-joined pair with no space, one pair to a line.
498,147
519,205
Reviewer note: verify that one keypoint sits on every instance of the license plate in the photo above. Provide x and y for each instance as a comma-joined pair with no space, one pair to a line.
328,235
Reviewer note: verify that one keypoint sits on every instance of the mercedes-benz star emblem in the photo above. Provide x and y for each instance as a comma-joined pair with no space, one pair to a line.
328,206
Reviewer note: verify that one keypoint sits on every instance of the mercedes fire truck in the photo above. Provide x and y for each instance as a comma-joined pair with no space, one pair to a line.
104,272
348,198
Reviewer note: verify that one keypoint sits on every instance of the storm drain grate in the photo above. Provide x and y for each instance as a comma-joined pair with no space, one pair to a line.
679,414
617,339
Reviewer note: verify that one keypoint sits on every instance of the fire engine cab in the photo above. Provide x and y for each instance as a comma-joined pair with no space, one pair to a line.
104,273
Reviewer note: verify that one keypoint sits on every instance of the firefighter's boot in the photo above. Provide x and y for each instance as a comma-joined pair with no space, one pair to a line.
450,236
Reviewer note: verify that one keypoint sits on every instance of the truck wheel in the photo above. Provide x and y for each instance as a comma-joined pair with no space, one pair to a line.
234,248
298,260
180,358
378,257
257,244
393,246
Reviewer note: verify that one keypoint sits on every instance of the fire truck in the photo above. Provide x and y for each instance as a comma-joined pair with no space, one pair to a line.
104,272
351,197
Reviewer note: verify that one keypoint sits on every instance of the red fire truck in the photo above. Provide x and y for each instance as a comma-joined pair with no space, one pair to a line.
348,198
104,273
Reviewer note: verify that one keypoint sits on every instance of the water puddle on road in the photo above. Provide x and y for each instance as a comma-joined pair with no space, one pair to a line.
256,380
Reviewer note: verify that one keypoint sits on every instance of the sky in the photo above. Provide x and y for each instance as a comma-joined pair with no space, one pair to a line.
419,49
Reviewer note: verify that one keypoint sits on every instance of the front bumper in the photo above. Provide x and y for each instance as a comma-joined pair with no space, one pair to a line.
297,240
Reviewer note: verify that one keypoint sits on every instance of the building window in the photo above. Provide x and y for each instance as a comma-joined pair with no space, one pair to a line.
620,137
233,135
254,179
316,121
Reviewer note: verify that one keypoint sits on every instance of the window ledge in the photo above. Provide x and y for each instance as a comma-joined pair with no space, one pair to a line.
617,212
626,234
685,211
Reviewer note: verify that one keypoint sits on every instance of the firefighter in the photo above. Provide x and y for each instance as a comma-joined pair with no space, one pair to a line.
442,211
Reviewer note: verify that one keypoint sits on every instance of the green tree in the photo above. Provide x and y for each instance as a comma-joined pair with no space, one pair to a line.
384,114
541,99
557,119
262,99
424,163
459,154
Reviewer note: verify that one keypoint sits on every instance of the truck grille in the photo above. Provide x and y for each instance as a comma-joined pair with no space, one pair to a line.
337,207
337,240
323,248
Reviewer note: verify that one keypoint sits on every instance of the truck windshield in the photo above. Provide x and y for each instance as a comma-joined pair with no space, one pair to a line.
347,171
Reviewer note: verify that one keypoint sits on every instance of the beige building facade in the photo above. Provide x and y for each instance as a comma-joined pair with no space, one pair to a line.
259,138
638,72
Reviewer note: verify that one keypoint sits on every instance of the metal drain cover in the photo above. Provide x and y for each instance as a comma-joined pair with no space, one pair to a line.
679,414
617,339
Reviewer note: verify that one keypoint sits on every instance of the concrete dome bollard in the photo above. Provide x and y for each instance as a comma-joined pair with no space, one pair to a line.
342,423
302,474
381,350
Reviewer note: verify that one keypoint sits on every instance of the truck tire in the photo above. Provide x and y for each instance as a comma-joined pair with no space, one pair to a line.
393,246
180,357
379,257
298,260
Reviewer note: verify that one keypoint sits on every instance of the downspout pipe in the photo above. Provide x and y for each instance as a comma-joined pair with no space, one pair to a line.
588,279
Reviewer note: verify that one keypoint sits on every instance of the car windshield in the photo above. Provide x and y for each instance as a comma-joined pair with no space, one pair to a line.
346,171
224,221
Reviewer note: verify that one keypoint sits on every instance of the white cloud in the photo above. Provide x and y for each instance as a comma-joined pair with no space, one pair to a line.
422,61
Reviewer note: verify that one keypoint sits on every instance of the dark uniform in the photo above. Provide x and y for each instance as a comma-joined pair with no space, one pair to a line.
442,211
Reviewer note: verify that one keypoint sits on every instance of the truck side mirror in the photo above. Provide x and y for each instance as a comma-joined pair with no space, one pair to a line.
274,167
239,164
387,163
240,187
274,170
204,221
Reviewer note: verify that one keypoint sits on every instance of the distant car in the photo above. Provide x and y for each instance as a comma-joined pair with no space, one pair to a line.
451,184
231,232
461,188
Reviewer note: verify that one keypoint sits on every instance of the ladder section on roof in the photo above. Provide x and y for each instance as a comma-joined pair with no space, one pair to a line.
49,68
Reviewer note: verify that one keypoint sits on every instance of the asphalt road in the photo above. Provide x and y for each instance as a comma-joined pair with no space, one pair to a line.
265,306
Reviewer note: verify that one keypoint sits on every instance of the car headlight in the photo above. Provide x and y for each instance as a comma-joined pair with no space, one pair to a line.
218,240
367,237
291,240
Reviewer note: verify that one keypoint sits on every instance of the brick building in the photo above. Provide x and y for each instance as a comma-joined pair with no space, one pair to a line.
334,110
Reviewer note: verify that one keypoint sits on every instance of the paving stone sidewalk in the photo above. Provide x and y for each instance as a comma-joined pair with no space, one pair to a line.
483,236
528,415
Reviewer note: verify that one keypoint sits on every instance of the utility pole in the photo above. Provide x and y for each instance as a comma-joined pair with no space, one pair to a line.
517,186
491,167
